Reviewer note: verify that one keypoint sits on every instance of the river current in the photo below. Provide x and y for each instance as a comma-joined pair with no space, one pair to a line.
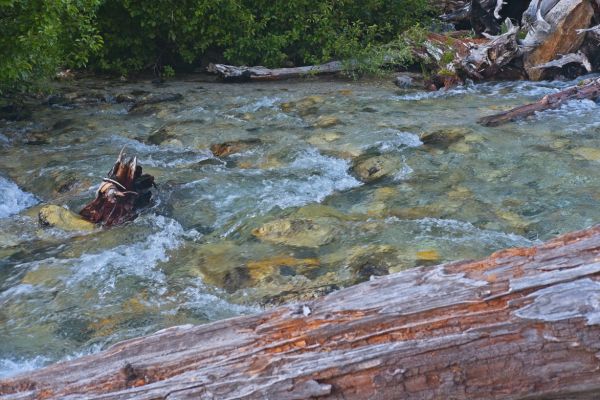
286,214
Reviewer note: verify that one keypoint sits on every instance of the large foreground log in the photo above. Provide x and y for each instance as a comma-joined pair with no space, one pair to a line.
521,324
589,89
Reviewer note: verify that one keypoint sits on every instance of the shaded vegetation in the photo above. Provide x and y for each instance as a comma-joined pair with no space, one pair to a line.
38,36
126,36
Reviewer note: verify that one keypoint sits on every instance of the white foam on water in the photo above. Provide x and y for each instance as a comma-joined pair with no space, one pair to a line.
14,366
442,93
197,296
310,177
397,140
465,232
139,258
404,172
13,199
315,177
10,367
264,102
572,108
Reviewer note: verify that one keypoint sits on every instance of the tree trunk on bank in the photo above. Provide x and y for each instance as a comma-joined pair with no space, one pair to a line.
521,324
588,89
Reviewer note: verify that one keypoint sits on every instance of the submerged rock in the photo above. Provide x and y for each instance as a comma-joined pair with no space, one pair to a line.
587,153
227,148
305,106
298,232
155,98
61,218
403,81
443,137
327,121
372,168
364,261
428,255
283,265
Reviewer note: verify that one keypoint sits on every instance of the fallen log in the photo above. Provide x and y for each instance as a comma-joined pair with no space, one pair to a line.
242,74
588,89
521,324
121,194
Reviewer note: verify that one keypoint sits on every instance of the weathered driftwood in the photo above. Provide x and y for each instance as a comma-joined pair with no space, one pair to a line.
589,89
259,73
486,60
121,194
572,58
521,324
554,32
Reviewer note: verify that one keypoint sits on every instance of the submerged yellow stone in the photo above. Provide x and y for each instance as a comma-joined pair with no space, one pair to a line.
428,255
587,153
258,270
61,218
327,121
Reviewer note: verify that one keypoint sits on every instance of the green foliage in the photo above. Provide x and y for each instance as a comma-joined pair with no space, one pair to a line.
140,35
39,36
371,58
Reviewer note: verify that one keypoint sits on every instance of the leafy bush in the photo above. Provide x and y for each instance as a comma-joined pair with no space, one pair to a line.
140,35
38,36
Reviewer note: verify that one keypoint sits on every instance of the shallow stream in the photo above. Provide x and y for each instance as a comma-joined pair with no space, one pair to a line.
322,184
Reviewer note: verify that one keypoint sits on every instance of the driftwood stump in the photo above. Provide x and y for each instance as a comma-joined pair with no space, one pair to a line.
121,194
521,324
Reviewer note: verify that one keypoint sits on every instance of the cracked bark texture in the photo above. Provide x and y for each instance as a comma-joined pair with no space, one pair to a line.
521,324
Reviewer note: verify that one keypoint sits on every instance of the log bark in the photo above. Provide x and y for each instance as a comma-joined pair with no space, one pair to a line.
125,190
588,89
242,74
521,324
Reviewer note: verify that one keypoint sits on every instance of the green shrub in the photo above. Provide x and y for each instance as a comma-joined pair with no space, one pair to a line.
39,36
142,35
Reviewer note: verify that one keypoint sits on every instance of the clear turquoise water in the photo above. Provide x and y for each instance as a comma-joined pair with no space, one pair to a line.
215,243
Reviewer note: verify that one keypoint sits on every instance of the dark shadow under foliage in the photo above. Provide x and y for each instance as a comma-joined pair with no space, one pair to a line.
189,33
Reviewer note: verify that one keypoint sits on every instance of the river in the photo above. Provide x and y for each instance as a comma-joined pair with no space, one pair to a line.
328,183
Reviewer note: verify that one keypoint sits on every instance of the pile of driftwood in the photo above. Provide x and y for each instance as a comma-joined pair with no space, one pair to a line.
541,39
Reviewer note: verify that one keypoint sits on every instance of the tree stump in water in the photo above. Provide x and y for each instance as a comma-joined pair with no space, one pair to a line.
521,324
124,191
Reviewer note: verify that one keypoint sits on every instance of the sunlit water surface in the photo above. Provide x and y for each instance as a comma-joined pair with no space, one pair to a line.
282,218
